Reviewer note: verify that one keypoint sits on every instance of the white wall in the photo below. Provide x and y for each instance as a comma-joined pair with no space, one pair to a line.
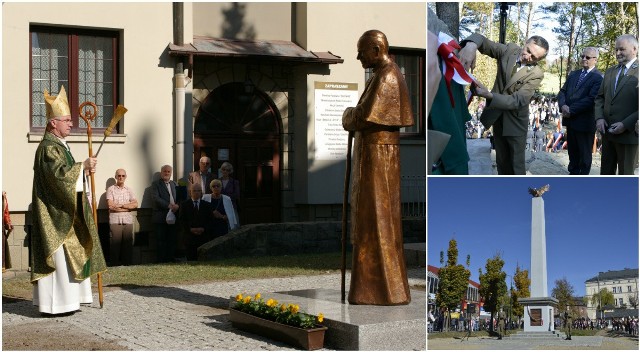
146,84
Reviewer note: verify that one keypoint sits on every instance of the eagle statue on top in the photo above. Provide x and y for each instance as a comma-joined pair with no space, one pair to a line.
538,192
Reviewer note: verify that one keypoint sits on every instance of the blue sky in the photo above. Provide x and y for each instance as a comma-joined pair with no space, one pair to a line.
591,223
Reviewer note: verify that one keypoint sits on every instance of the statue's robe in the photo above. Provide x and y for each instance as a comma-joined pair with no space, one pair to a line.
63,230
378,273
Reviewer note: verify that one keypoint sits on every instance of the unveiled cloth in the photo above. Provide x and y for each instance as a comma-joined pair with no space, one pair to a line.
58,220
378,274
227,205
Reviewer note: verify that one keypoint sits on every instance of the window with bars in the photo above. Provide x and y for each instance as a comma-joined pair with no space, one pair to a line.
85,62
412,64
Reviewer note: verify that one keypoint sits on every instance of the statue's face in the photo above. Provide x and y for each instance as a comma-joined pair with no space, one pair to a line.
368,53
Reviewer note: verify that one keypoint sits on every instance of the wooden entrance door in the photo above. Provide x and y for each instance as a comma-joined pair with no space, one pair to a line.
243,128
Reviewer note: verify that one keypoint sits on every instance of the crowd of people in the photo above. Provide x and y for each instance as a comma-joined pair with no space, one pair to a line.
210,210
544,132
436,323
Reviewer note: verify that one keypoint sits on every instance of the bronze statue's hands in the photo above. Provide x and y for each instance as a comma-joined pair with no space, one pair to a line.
482,91
467,56
174,207
617,128
601,125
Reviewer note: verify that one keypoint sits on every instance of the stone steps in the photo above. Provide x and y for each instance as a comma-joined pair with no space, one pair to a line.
538,335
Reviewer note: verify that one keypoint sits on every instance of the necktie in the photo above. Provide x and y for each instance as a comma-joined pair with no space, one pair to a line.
171,199
619,78
515,68
195,205
582,74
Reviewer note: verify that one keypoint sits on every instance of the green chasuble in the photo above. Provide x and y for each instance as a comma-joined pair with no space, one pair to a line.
56,220
451,120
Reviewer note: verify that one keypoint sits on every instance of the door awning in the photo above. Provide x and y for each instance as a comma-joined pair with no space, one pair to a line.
252,50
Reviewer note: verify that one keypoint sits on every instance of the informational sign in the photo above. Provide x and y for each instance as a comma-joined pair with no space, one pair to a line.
223,154
331,100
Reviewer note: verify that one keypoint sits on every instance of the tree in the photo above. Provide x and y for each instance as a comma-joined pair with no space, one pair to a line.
521,290
633,300
493,285
602,299
454,280
563,292
449,13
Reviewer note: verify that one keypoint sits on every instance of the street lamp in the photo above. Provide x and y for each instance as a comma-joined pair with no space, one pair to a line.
600,298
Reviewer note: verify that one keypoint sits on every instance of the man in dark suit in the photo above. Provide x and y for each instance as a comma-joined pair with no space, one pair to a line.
164,200
616,110
507,108
202,177
576,102
196,222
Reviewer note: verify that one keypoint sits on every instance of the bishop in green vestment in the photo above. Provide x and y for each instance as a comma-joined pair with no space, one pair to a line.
64,238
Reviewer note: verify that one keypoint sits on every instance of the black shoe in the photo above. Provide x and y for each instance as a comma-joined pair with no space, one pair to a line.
59,315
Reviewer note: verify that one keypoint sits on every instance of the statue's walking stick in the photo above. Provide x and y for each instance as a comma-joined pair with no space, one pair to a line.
87,116
345,216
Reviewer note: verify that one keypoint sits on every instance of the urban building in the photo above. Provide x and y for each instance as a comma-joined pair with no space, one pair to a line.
260,85
623,284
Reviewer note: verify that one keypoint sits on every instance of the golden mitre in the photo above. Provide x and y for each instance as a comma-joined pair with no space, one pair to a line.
57,106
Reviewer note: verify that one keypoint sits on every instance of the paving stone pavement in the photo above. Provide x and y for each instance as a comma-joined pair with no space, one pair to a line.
491,343
188,317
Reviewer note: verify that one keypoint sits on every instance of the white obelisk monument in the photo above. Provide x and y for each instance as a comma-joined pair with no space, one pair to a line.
538,309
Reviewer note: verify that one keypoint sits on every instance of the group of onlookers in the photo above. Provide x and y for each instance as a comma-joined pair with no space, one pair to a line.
209,210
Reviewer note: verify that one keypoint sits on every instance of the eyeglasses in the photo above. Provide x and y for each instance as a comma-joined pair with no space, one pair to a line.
121,175
67,120
587,57
215,186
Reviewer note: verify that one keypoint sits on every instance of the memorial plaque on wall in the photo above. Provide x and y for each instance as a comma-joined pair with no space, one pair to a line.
331,99
535,316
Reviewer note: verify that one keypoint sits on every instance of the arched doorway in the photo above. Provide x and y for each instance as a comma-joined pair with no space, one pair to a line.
240,124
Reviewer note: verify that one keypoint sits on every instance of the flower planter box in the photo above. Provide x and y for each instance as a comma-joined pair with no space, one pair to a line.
307,339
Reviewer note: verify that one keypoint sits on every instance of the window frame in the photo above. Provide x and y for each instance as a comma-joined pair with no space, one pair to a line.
73,36
420,115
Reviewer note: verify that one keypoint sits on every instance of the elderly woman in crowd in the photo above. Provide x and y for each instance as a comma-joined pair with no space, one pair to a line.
230,186
223,215
121,202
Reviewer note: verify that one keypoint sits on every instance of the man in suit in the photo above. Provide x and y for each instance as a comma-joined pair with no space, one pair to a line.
164,200
202,177
576,102
507,108
616,110
195,220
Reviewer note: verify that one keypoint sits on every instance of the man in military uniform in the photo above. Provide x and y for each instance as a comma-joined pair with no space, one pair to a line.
568,321
501,319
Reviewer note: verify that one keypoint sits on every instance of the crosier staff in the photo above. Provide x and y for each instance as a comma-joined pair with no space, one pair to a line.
117,116
87,116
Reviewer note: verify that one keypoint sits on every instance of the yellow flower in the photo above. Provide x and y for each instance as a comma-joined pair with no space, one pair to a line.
283,308
239,297
247,299
320,318
258,296
271,302
294,308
